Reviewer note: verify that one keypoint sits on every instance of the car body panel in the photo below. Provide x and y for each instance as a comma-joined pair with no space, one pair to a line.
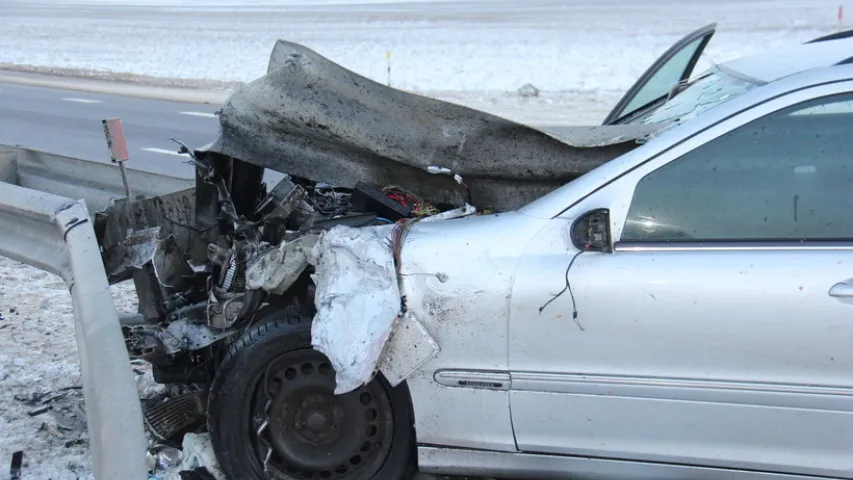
665,370
552,467
468,315
671,358
783,62
686,353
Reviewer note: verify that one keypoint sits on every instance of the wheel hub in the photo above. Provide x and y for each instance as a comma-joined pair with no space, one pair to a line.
315,418
317,422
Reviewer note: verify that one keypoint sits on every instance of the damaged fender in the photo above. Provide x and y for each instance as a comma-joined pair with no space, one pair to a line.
360,324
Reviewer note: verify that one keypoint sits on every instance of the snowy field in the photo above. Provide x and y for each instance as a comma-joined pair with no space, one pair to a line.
573,47
582,53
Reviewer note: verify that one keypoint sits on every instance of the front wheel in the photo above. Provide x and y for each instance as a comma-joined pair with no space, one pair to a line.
273,413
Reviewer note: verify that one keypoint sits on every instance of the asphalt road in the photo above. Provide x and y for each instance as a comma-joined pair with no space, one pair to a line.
68,123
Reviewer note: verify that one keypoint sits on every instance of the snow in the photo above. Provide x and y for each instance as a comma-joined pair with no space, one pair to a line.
575,48
38,354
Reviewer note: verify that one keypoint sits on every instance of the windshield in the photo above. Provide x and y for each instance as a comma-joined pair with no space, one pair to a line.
712,88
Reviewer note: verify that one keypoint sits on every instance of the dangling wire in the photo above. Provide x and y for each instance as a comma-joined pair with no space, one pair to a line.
568,288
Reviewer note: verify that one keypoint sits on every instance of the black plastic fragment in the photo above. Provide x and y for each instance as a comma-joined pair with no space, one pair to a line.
367,199
17,463
38,411
199,473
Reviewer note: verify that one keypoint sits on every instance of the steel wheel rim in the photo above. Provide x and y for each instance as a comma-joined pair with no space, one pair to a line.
301,430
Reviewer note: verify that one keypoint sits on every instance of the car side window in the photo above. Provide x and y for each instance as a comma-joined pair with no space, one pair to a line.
784,177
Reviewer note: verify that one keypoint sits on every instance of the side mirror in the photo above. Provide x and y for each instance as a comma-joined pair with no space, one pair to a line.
591,232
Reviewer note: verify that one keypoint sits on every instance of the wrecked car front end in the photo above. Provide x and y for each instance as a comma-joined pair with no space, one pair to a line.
353,152
360,240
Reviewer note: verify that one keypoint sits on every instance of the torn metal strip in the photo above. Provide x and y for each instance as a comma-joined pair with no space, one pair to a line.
408,349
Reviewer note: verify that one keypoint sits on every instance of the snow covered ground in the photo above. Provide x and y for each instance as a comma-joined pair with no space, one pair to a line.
38,361
582,53
569,46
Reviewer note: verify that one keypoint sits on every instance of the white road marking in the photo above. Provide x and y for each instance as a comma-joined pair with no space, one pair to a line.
165,152
81,100
200,114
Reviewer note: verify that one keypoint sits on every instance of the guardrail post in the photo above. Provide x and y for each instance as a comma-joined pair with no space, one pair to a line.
8,166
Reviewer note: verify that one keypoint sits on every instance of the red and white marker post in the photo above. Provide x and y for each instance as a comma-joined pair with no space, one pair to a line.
117,145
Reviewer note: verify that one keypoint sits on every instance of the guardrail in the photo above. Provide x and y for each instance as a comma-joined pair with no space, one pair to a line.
96,183
46,203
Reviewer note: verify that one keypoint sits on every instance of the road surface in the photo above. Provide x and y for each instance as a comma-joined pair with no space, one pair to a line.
68,122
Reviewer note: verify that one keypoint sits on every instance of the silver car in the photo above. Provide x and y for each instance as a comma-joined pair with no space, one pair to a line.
683,311
677,301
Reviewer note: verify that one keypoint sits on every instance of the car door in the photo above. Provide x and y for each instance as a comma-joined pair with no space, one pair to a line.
654,86
718,331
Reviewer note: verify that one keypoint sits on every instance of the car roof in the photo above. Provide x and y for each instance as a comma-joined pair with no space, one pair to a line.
770,66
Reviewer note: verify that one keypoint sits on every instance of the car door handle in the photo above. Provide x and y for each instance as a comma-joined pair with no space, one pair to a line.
841,290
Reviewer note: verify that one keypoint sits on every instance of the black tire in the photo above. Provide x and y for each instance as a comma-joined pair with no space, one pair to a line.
272,373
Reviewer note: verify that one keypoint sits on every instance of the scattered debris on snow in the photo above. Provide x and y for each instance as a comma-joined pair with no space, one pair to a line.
198,457
43,413
162,459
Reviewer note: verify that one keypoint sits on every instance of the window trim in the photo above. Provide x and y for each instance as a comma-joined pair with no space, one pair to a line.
617,194
734,246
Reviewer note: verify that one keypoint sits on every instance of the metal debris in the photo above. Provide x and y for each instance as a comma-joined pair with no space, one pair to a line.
162,458
38,411
408,348
173,415
277,269
455,213
198,459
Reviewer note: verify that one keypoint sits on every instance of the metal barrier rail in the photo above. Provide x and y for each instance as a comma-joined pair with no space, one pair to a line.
97,183
55,233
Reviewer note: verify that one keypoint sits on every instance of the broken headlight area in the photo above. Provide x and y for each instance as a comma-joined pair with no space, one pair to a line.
206,260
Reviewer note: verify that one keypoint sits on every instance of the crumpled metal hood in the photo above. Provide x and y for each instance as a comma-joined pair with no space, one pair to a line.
310,117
